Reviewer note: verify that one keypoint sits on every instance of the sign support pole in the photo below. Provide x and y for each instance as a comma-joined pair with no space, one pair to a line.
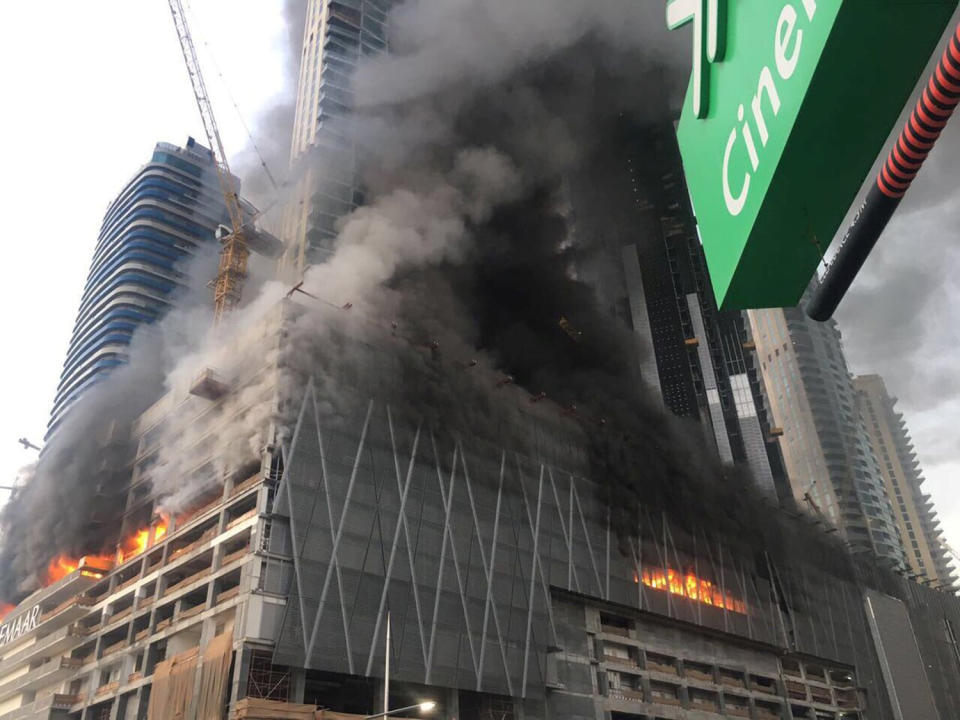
926,123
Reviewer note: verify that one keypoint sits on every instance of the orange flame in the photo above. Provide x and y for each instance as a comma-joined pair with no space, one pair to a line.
60,567
5,609
690,586
63,565
140,540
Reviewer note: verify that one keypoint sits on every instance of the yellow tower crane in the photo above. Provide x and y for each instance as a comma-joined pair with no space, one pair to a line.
235,250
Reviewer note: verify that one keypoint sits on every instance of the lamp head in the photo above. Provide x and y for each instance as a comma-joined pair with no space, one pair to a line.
427,706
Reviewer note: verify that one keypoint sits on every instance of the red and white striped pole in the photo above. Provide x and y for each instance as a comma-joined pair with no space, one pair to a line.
935,107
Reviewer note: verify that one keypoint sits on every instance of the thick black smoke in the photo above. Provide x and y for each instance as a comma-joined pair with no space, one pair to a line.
487,258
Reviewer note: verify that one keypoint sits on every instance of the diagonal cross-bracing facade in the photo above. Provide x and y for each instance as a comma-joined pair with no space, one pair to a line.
467,545
385,516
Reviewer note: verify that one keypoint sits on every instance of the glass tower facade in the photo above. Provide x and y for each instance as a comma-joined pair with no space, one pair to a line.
697,359
167,210
914,513
830,462
337,34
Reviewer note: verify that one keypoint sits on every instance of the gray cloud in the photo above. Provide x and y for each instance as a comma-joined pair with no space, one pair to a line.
900,318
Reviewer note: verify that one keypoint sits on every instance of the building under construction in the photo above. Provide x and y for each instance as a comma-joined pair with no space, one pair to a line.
697,359
262,587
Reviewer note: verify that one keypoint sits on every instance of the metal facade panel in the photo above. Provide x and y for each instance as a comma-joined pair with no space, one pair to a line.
903,667
464,543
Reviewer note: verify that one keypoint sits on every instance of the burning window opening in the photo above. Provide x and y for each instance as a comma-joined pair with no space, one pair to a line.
692,587
140,540
93,566
96,566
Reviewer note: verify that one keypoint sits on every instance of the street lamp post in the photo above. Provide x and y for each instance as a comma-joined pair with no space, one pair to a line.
424,707
386,671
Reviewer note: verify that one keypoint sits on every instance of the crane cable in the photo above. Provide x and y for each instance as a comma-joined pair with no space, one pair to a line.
236,106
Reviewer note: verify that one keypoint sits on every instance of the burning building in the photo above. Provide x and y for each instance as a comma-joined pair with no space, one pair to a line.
699,360
513,584
441,430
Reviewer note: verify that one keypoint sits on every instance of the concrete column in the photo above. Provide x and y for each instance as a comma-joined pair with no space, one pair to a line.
452,703
222,518
126,667
92,681
519,709
162,583
228,485
133,704
115,708
218,552
212,587
98,647
241,669
298,685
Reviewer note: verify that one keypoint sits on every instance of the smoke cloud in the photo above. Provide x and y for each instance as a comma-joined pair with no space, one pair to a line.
473,161
444,292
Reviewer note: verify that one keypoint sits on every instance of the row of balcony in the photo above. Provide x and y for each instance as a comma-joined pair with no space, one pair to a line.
42,706
63,640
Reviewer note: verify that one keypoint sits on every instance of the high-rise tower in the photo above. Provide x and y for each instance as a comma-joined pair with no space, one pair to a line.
170,207
913,510
697,359
826,448
336,35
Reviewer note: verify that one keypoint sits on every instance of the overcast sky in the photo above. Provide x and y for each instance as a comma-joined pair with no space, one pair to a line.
901,319
89,87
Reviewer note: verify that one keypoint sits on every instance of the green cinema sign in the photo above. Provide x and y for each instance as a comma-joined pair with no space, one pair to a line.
789,105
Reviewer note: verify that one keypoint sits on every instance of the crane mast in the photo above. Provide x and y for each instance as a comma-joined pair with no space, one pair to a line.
234,252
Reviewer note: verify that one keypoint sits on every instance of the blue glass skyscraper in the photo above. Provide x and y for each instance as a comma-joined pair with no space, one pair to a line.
170,208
